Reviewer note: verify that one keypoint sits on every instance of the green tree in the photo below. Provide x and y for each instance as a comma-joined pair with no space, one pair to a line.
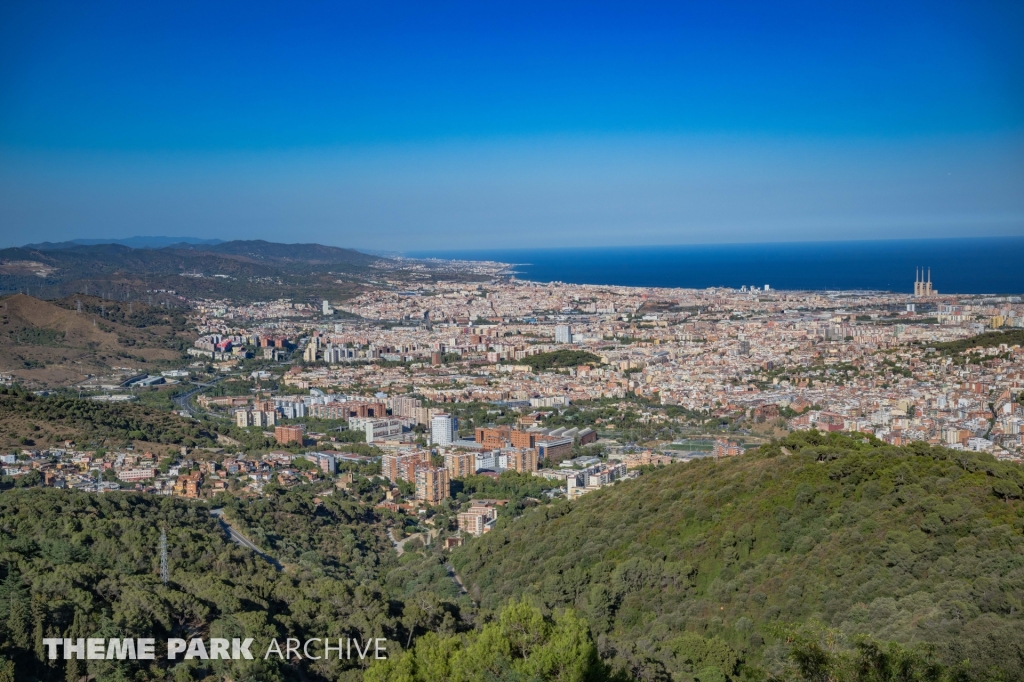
520,645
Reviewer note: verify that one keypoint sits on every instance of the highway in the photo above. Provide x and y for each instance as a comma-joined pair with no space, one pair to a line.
182,401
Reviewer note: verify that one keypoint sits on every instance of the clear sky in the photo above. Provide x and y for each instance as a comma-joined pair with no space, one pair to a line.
407,126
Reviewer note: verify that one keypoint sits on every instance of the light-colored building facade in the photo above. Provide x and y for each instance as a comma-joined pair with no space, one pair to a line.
443,429
432,484
460,464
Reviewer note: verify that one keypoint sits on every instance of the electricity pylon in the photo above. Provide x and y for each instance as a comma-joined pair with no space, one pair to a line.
165,571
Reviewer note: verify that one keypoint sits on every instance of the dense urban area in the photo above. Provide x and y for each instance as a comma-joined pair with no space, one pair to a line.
442,411
567,382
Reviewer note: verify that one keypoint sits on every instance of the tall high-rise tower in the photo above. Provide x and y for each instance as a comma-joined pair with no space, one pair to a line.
443,429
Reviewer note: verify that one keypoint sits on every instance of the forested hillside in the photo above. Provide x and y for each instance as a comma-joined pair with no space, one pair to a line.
62,343
30,420
712,561
248,270
804,560
560,358
80,565
992,339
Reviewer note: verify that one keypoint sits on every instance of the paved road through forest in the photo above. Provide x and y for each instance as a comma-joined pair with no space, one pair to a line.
240,539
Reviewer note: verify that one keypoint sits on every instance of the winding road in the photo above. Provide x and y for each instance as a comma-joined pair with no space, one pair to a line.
240,539
399,546
455,578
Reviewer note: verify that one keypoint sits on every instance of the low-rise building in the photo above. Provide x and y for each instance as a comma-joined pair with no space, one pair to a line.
324,461
188,485
478,519
138,474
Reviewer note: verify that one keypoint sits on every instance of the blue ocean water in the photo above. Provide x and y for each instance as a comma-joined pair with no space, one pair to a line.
966,266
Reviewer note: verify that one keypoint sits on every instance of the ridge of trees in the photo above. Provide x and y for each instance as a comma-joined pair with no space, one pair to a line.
520,644
75,564
917,545
818,557
90,419
1013,337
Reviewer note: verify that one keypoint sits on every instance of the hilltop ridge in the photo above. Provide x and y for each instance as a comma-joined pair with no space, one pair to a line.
913,544
243,270
283,254
53,343
138,242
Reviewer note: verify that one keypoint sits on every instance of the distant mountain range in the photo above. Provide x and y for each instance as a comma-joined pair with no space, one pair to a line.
254,270
133,242
249,270
282,254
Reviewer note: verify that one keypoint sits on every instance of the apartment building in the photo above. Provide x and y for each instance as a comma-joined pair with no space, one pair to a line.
432,484
403,466
140,474
377,429
290,407
593,478
348,409
486,460
523,460
188,485
257,417
403,406
726,448
460,464
294,433
638,459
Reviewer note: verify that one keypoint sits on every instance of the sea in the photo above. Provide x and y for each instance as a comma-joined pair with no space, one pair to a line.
993,265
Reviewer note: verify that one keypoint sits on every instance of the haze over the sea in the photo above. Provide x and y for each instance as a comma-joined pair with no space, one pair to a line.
965,266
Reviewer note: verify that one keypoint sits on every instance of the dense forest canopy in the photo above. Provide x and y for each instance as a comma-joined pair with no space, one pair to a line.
83,565
994,339
560,358
818,557
912,544
64,416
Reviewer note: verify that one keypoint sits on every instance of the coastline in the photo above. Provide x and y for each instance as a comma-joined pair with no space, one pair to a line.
958,266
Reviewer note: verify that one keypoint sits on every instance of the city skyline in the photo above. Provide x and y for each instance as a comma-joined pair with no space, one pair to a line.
685,338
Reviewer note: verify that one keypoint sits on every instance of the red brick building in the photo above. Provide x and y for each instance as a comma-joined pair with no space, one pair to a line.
294,433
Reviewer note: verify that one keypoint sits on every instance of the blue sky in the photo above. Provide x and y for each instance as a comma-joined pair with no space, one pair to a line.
403,126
